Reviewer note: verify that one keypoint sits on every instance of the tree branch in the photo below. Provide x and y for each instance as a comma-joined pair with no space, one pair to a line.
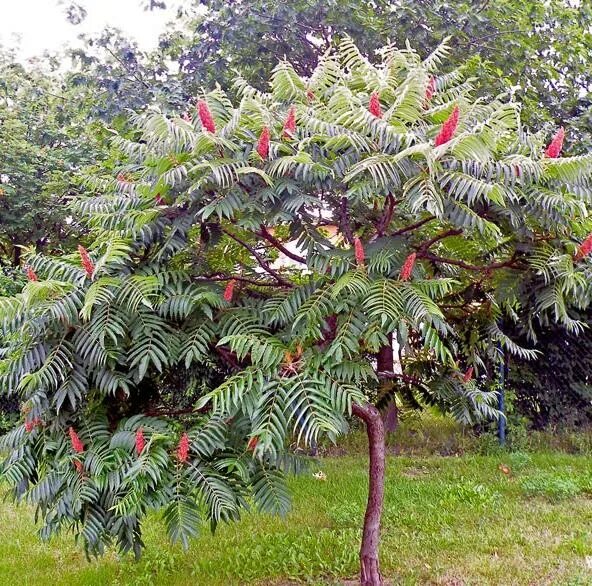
426,245
387,215
167,413
410,380
469,267
344,221
412,227
264,233
217,278
262,262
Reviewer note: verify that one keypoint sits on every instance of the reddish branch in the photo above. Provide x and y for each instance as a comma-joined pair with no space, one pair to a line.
387,215
264,233
262,262
469,267
412,227
222,278
229,356
426,245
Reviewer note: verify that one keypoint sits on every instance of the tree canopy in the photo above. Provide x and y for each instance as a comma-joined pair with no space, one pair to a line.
416,209
538,50
45,141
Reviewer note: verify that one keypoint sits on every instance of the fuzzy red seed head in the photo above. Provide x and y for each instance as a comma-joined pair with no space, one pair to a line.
407,267
448,128
31,424
554,148
205,116
78,465
263,143
253,443
31,274
140,441
430,91
585,248
374,105
290,123
359,251
87,263
77,445
183,448
229,291
468,375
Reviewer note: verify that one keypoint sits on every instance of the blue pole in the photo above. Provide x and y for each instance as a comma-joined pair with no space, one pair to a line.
501,402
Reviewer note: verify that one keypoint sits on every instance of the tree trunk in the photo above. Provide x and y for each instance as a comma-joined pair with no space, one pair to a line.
16,256
369,567
385,362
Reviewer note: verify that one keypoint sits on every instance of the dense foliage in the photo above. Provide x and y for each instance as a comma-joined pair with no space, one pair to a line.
555,390
539,49
45,139
416,210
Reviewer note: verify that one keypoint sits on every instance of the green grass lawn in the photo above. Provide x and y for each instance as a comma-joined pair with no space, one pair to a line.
456,520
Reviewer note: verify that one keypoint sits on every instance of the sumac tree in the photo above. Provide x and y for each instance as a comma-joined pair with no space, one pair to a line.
271,250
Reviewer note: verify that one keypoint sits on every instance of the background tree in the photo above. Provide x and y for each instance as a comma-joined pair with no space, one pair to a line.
539,49
555,390
46,136
443,211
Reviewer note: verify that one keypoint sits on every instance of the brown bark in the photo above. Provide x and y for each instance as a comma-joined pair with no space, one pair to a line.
385,363
369,565
384,359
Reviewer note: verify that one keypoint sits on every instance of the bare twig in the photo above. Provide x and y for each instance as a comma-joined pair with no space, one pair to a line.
262,262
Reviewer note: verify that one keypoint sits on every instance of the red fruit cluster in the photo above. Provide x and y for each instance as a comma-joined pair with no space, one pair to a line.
88,265
554,148
183,448
31,425
263,143
359,251
430,91
407,267
467,376
77,445
585,248
31,275
205,116
253,443
229,291
290,123
140,441
448,128
374,106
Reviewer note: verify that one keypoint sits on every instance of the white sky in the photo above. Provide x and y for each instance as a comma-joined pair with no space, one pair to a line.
41,24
